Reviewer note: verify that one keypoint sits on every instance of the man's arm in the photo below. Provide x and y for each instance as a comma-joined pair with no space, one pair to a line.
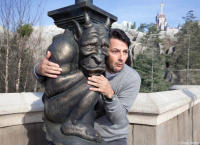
102,85
46,68
116,106
38,76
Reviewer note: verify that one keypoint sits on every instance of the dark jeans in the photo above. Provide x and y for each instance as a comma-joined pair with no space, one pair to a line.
121,141
50,143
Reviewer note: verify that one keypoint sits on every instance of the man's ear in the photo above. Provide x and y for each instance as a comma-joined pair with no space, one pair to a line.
77,30
129,60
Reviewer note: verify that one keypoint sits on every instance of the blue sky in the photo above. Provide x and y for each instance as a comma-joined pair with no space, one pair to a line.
140,11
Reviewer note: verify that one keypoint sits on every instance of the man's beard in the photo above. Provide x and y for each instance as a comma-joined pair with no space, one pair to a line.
111,68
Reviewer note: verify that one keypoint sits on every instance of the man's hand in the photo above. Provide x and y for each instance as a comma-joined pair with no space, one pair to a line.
101,85
47,68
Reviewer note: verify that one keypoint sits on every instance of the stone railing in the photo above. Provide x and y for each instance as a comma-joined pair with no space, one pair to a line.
166,118
161,118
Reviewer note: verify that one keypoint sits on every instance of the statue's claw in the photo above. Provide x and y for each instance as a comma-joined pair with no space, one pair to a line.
81,130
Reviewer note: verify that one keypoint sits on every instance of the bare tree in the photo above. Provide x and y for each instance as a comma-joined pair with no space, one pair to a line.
37,52
6,17
14,14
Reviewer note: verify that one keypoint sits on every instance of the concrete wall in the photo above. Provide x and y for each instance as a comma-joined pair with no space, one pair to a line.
180,130
26,134
161,118
166,118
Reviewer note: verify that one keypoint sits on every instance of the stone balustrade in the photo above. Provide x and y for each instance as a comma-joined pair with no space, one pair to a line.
160,118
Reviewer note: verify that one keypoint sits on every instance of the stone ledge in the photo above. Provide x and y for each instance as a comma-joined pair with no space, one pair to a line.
156,108
153,119
179,87
148,109
160,102
12,103
21,118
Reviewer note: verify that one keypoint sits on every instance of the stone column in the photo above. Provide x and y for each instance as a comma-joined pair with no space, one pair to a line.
79,1
63,17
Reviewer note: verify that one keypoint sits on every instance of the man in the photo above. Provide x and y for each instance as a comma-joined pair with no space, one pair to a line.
119,87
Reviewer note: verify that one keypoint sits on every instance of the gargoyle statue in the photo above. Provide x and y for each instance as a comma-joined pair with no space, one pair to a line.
68,102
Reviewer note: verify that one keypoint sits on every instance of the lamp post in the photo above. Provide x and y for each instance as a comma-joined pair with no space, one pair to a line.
80,1
188,61
63,17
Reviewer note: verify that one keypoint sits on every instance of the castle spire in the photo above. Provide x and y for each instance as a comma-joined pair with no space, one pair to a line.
161,20
162,8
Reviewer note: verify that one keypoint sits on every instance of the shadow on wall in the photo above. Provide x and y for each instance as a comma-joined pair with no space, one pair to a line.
33,123
191,95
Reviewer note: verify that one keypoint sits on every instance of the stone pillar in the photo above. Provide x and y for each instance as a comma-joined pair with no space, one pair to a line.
80,1
63,17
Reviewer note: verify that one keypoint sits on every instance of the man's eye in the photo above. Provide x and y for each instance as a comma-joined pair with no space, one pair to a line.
114,51
125,52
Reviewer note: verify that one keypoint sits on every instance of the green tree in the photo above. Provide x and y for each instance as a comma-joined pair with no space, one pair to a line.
151,64
23,34
189,16
152,29
187,48
16,17
25,30
142,27
143,64
133,26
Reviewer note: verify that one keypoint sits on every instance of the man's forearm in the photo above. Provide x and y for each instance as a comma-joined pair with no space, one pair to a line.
118,107
38,77
115,110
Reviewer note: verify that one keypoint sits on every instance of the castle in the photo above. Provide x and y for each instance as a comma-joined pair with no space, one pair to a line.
161,20
162,24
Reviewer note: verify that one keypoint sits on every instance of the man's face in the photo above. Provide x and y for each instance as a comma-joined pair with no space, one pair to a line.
117,55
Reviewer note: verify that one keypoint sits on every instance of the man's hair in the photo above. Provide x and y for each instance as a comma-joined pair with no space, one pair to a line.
120,35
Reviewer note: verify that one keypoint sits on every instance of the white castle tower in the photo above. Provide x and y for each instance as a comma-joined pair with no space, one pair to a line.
161,20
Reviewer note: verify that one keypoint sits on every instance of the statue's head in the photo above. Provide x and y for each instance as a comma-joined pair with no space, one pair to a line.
93,42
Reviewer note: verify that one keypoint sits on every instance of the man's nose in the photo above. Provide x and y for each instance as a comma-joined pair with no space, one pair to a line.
121,56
